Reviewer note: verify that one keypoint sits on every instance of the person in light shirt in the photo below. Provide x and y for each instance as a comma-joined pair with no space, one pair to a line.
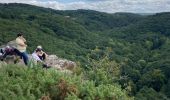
42,55
35,55
21,47
36,59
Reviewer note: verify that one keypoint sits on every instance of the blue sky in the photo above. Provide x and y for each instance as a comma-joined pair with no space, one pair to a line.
110,6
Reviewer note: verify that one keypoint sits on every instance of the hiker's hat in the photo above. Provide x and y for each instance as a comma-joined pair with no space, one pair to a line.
7,46
39,47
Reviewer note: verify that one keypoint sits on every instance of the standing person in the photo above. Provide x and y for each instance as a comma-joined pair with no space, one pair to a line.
21,47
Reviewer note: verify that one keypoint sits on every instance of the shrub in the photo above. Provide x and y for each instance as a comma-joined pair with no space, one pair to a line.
22,83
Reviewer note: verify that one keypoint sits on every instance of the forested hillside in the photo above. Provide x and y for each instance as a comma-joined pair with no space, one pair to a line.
139,45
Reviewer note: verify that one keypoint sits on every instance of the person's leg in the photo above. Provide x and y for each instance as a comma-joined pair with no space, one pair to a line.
4,56
40,57
1,51
1,58
46,66
17,52
44,56
25,57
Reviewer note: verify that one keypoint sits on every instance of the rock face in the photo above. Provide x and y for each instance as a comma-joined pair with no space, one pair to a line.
59,63
52,60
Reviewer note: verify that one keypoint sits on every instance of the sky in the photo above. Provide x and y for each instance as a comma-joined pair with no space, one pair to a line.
109,6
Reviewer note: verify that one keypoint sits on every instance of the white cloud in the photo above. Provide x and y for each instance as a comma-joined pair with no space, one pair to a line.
17,1
111,6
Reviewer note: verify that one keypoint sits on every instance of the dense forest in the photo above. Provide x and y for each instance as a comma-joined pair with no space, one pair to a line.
127,49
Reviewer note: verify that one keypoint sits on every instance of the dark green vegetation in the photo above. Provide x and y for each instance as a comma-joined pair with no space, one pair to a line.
139,44
21,83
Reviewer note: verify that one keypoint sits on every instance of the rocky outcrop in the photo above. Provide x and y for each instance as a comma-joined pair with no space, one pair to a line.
59,63
52,60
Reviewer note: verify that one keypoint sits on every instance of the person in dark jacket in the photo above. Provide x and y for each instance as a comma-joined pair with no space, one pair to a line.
6,51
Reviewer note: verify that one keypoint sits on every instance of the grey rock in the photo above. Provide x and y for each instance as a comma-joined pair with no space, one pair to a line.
58,63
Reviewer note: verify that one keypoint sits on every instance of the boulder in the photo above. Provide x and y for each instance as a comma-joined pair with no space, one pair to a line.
58,63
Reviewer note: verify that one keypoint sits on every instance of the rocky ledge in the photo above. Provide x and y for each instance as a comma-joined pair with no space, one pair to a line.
52,60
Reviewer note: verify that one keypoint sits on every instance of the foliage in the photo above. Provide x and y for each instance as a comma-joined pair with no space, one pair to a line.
138,45
149,94
22,83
